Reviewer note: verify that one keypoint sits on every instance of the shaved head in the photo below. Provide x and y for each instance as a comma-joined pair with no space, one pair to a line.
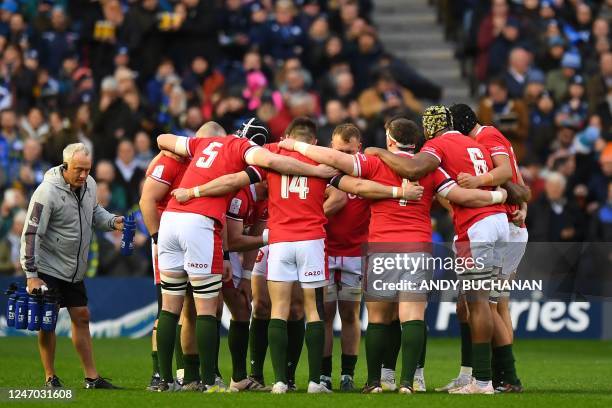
210,129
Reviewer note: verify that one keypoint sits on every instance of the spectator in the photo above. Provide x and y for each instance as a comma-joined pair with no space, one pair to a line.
599,85
364,58
33,125
234,29
83,127
23,80
33,167
9,247
551,59
144,153
197,34
13,201
510,116
335,114
60,135
105,173
129,175
57,42
386,94
516,75
203,84
601,224
553,218
542,126
557,81
283,38
11,147
574,110
144,37
193,121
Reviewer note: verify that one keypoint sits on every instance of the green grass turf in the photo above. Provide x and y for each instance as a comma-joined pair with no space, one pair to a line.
556,373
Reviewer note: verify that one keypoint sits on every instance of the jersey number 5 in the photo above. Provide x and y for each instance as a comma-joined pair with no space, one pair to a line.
480,164
297,184
209,155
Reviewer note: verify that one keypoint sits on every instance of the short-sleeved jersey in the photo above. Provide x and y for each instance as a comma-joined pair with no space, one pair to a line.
169,171
458,153
399,220
497,144
295,203
212,157
347,230
245,207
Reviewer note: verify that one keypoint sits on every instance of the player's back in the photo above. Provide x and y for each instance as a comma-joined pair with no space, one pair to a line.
295,203
167,170
394,219
245,206
497,144
348,229
212,157
458,153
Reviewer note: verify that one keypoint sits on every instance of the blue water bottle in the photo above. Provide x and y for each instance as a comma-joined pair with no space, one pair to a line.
21,309
11,292
34,310
49,311
127,240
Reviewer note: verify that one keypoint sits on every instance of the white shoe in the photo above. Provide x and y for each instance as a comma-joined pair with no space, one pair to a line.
318,388
418,385
387,379
279,388
455,383
180,374
248,384
474,388
405,390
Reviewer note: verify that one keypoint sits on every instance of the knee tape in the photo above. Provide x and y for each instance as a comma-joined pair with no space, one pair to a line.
173,285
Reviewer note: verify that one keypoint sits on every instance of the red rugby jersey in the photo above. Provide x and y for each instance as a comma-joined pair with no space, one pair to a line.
170,171
348,228
458,153
212,157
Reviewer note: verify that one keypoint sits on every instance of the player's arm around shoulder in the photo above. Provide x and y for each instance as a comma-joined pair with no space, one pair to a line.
473,197
412,168
335,200
175,144
220,186
287,165
375,191
323,155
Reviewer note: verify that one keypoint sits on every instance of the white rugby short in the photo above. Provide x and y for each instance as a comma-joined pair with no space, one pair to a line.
260,268
189,242
344,279
303,261
515,249
483,246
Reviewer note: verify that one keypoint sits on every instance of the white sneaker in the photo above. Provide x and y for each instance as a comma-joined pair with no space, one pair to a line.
474,388
455,383
387,379
243,385
418,385
180,374
279,388
318,388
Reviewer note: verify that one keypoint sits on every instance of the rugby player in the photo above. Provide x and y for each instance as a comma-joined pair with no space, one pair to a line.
190,245
394,221
481,232
506,169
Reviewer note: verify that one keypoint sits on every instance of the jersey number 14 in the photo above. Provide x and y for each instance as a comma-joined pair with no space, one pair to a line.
294,184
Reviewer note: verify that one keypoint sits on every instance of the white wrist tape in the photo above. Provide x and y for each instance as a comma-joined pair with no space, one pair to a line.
264,236
301,147
196,191
496,197
396,192
180,146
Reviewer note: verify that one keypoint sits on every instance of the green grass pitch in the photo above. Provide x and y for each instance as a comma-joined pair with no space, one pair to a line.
556,373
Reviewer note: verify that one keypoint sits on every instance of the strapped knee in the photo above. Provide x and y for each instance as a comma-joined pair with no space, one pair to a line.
207,288
171,285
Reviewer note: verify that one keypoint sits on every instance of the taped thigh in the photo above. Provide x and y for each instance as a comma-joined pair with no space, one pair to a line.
206,288
173,285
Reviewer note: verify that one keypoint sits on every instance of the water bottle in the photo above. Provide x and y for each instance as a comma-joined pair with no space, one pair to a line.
49,311
34,310
21,309
11,292
127,240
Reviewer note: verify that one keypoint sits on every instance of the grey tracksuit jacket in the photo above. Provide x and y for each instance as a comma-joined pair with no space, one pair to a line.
58,228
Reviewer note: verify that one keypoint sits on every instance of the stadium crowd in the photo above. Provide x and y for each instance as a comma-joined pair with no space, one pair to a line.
114,74
543,71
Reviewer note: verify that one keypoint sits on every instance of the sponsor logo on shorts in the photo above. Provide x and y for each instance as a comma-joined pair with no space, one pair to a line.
313,273
260,256
197,265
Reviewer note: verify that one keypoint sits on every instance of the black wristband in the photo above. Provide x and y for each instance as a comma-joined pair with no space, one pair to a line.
335,181
154,237
226,255
254,176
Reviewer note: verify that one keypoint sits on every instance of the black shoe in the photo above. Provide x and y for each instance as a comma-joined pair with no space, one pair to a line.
374,388
53,383
291,385
99,383
507,388
155,379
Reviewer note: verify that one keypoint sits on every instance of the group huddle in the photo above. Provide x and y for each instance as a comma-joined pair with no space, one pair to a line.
275,231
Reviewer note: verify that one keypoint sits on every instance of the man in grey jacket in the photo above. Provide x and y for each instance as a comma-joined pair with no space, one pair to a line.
54,250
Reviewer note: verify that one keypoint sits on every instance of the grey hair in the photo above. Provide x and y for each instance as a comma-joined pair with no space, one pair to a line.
556,177
72,149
